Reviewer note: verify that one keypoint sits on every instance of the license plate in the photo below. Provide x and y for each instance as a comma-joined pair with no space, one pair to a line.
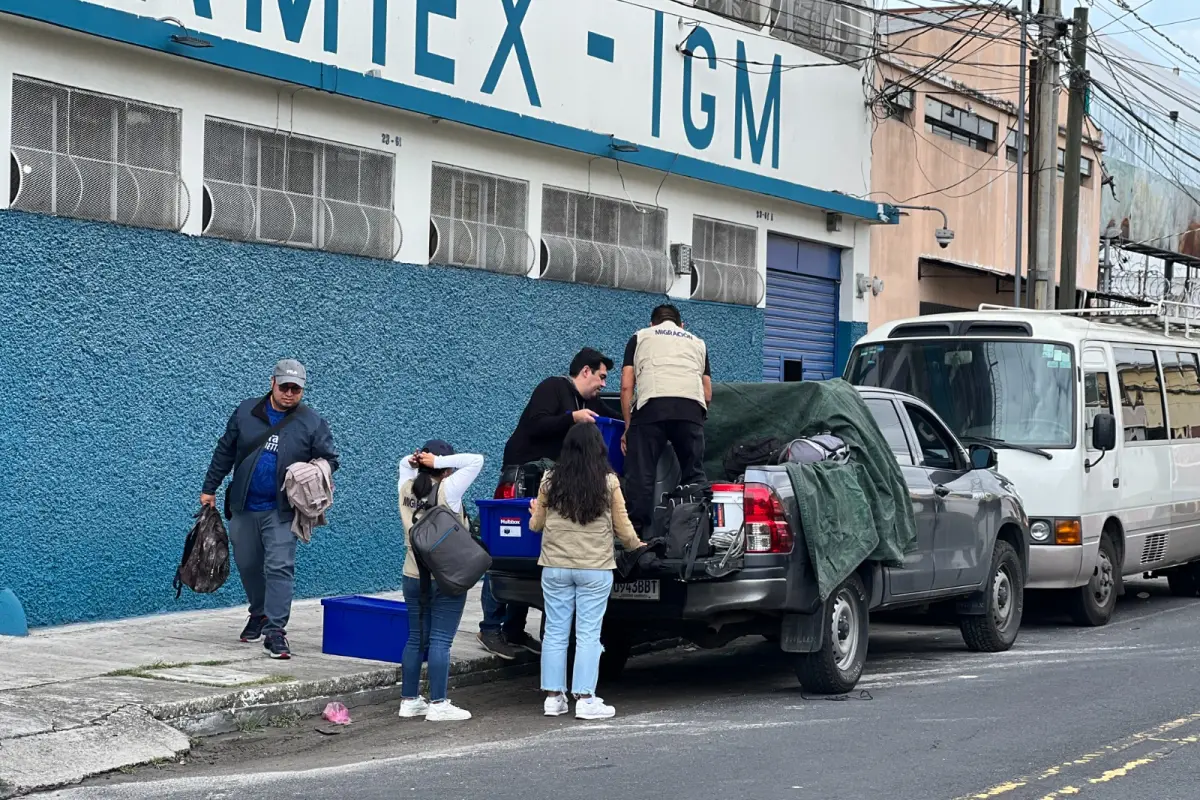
636,590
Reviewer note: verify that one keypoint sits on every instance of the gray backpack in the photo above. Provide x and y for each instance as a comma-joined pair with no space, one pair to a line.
444,548
823,447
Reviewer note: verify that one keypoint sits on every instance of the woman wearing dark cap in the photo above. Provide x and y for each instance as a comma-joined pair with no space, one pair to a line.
433,473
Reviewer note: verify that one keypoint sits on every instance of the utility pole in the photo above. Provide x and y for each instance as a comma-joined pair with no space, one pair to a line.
1021,99
1075,109
1044,163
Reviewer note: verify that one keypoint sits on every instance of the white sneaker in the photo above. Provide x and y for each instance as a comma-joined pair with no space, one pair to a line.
414,707
593,708
556,706
445,711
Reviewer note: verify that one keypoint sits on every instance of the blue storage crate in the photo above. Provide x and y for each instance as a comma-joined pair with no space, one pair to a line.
612,430
365,627
504,528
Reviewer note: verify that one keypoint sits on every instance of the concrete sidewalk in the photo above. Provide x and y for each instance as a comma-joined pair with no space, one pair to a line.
80,700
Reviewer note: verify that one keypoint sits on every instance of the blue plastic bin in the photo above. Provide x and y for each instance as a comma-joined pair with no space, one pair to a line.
612,430
504,528
365,627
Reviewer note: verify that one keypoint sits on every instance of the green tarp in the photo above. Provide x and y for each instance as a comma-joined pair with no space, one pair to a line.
850,512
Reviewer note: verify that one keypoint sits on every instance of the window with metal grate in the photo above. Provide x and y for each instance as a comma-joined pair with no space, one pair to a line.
262,185
725,262
93,156
604,242
752,13
479,220
844,30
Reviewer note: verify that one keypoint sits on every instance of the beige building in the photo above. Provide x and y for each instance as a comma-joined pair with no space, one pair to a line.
945,136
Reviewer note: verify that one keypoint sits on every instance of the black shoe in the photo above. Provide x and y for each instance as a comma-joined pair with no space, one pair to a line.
524,640
277,645
253,629
495,644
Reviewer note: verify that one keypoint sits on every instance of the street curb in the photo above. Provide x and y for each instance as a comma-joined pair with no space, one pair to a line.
258,707
180,724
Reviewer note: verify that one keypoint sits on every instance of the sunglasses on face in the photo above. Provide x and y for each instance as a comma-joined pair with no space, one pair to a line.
290,388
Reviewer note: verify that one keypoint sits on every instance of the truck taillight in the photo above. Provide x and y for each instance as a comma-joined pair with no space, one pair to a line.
505,491
767,529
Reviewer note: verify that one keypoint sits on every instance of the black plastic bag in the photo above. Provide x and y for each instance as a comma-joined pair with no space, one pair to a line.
204,567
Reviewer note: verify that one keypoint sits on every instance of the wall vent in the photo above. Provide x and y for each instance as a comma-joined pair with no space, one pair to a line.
479,220
604,242
94,156
725,262
270,186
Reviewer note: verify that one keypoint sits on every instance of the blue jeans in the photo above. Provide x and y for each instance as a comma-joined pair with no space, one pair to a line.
583,595
264,549
498,617
442,615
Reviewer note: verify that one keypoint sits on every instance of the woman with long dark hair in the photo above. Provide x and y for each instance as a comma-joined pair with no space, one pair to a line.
579,509
433,475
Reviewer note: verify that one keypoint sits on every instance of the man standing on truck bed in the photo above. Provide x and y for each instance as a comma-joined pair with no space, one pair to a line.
667,368
557,404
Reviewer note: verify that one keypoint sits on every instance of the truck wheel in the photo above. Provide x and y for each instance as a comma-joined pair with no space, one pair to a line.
1185,581
618,647
1093,604
837,666
995,630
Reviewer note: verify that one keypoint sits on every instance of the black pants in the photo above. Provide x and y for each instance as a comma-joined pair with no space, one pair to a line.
645,443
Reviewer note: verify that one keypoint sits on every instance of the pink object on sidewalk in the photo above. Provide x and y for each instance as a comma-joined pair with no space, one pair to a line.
337,713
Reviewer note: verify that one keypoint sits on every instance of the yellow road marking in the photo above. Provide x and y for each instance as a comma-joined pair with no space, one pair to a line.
1153,734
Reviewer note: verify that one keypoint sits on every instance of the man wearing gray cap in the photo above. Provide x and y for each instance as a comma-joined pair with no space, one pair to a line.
263,437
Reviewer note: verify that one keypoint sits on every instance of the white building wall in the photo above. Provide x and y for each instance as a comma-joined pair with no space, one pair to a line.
824,131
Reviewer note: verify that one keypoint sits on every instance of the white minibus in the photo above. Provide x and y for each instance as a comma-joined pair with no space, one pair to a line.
1096,414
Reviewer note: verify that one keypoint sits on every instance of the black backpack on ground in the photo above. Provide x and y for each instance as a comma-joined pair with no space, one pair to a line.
444,548
750,453
204,567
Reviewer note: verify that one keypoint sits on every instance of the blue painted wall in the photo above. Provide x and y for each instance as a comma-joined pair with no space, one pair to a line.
125,351
848,334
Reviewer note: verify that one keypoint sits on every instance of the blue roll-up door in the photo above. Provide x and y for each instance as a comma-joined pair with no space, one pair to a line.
802,310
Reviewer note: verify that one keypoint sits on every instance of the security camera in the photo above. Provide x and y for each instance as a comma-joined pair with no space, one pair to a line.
944,237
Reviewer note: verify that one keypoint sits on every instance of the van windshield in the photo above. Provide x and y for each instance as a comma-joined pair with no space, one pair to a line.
1020,393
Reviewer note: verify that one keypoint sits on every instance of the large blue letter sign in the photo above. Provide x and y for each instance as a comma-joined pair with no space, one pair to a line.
431,65
745,111
699,137
513,39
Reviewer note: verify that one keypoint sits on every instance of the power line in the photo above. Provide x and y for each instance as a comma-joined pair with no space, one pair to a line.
1125,5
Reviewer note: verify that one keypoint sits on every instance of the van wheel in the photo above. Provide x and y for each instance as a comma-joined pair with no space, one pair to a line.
837,666
1185,581
995,630
1093,604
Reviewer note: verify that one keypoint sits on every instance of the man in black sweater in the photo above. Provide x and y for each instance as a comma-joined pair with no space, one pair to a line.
556,404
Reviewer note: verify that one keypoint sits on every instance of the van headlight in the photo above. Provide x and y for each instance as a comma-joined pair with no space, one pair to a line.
1040,530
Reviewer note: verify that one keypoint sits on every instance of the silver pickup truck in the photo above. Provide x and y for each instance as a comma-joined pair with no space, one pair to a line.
970,555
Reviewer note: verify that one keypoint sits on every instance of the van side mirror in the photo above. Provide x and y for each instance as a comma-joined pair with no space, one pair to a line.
1104,433
983,457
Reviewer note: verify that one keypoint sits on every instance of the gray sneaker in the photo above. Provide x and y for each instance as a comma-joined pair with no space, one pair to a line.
496,644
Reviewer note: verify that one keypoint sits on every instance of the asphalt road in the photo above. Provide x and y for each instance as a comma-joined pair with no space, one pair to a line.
1095,714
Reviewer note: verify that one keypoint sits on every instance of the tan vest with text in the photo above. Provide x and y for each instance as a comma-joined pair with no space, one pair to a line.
669,362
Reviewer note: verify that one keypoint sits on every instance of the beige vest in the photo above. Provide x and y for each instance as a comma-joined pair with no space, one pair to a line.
669,362
408,507
569,545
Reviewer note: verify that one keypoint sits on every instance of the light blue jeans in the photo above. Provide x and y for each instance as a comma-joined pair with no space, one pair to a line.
581,594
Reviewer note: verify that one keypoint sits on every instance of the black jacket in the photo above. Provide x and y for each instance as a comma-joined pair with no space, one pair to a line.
546,420
303,439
